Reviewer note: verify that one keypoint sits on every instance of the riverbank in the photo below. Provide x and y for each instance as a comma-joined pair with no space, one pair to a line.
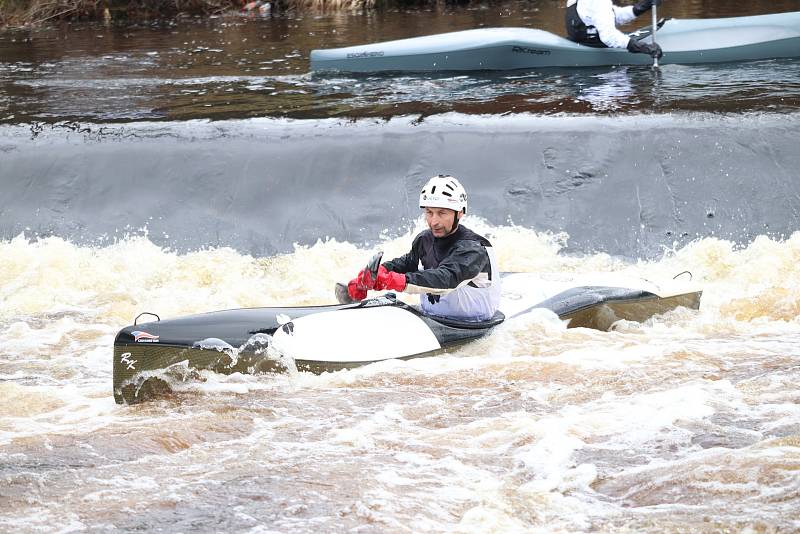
37,12
18,13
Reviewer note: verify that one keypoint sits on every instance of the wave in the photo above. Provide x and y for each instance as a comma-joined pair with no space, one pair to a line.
53,279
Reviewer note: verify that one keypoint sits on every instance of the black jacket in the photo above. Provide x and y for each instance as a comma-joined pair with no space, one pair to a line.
447,261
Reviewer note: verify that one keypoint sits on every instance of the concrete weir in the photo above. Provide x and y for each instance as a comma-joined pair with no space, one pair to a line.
624,185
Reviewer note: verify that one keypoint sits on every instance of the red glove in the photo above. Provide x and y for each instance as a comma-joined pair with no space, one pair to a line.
365,280
387,279
355,290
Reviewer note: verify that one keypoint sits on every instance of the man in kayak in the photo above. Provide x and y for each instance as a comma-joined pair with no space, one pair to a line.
594,23
450,266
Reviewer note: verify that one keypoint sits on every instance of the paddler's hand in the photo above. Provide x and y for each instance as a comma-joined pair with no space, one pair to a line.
640,47
365,280
391,280
644,6
355,290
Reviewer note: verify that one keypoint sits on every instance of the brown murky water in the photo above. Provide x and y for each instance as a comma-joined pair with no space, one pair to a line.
687,423
690,422
234,67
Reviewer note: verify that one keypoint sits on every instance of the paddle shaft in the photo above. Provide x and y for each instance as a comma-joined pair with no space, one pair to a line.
655,27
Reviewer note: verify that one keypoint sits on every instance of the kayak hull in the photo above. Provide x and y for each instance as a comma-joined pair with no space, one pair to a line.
688,41
329,338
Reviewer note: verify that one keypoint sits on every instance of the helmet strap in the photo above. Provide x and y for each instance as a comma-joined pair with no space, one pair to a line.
456,218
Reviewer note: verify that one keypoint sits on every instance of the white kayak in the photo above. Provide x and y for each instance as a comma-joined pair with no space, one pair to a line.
683,41
342,336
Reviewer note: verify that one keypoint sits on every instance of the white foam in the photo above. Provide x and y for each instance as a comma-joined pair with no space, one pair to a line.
519,431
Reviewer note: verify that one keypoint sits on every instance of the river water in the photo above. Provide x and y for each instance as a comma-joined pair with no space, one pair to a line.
233,68
192,166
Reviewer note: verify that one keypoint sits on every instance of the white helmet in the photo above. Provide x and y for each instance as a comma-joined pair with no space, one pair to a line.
444,191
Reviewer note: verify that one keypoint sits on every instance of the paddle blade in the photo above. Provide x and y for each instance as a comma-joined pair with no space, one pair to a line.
342,296
374,264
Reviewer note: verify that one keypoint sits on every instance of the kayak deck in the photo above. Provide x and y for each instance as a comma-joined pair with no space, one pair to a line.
321,338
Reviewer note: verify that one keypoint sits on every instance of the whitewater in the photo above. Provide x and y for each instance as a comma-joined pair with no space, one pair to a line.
687,422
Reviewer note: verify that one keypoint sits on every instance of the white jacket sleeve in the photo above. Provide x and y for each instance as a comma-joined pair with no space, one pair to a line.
604,16
623,15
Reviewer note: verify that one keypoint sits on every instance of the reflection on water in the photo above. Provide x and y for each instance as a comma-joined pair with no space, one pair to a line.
611,91
234,68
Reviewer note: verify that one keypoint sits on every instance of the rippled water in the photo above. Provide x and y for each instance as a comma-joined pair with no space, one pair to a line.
235,67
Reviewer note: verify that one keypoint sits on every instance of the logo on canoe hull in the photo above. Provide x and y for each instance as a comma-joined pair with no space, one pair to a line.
125,359
365,54
527,50
143,337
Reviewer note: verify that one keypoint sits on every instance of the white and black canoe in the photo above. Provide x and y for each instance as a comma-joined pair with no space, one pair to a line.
341,336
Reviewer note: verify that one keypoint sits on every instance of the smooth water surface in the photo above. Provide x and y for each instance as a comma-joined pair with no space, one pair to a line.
237,67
